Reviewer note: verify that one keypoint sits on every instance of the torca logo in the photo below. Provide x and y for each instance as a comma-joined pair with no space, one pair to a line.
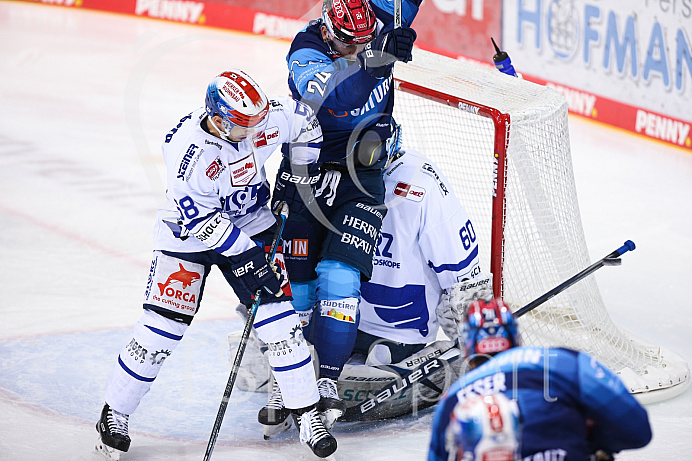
183,276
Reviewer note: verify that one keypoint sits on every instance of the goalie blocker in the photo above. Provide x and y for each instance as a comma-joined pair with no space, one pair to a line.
368,390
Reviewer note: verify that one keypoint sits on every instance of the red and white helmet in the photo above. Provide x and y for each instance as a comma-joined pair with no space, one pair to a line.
352,22
237,99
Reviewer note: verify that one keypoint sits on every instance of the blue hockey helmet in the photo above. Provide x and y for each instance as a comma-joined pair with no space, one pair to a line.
238,100
484,428
489,328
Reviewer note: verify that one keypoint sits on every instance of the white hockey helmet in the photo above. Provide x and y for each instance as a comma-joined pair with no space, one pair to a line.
238,100
484,428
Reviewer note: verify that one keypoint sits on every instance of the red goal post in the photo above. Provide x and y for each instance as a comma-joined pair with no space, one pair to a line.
503,144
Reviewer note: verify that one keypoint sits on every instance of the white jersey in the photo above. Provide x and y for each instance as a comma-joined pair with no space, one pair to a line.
217,190
427,244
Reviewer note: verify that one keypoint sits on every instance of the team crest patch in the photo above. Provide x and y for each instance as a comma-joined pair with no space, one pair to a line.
215,169
409,191
243,171
266,137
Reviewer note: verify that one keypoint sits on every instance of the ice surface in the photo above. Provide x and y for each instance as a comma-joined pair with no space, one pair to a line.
85,99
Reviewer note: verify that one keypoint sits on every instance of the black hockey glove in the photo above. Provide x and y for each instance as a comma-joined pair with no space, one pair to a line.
295,185
253,270
380,54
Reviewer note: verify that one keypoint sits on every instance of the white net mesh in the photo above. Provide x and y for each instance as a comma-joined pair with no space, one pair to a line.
541,237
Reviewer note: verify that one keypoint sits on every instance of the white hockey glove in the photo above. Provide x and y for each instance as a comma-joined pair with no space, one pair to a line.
455,302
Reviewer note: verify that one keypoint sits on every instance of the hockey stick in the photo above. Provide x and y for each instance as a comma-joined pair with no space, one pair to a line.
397,14
613,259
282,213
453,353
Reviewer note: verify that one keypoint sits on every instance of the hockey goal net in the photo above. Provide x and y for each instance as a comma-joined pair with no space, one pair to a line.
503,143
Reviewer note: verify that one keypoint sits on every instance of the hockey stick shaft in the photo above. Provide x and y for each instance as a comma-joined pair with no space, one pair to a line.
611,258
438,363
282,214
397,14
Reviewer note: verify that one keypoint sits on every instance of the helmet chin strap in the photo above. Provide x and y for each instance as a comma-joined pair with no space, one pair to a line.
225,134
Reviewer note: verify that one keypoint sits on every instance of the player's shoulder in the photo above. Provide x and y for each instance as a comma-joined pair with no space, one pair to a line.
416,169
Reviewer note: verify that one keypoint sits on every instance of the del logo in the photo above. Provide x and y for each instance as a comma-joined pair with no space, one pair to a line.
183,276
215,168
410,192
264,138
243,171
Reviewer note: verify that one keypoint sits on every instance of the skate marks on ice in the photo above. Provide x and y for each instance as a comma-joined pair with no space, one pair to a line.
66,375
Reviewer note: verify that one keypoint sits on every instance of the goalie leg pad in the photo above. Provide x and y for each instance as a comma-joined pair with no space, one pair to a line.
278,326
155,337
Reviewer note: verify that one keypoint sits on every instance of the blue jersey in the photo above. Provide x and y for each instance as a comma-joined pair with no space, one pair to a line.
570,404
344,96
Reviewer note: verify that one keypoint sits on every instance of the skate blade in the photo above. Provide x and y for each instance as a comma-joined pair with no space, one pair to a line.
108,452
273,431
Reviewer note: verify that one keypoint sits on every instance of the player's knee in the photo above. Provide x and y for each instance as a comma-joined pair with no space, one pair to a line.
276,322
337,280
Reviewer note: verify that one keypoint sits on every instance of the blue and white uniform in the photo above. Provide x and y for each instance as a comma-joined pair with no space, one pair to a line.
427,244
570,404
216,208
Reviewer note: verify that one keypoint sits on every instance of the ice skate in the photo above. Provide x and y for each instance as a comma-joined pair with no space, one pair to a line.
314,434
113,434
274,416
330,406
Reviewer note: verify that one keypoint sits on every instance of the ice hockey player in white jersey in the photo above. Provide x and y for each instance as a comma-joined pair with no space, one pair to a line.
217,214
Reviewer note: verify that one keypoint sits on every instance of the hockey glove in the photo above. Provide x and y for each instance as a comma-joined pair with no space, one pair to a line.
255,272
455,302
295,185
379,55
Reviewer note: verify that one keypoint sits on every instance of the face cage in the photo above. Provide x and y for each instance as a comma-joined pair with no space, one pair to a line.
337,35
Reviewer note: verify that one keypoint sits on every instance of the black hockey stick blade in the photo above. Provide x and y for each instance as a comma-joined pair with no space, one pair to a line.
430,367
613,259
281,212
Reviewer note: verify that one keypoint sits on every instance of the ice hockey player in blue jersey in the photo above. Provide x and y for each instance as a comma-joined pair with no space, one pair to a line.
341,65
217,214
572,407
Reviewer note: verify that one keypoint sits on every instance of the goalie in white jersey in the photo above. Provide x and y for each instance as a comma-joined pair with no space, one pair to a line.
216,214
427,269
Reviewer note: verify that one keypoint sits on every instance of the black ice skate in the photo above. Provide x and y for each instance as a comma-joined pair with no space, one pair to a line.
274,416
313,432
330,406
112,429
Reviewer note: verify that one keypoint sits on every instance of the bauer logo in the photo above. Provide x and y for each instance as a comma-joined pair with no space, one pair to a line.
215,169
409,191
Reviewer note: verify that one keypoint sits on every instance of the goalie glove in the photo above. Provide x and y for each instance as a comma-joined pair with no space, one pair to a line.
456,300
